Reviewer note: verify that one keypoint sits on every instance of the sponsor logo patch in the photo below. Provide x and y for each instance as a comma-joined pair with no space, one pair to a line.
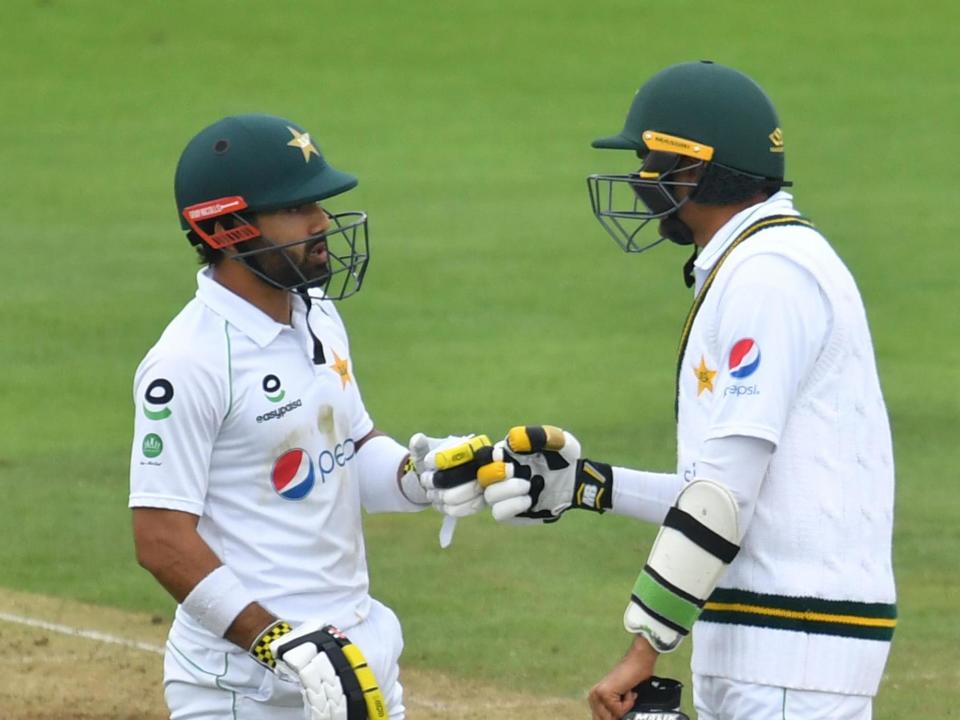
272,388
744,358
152,445
740,390
158,395
279,412
293,475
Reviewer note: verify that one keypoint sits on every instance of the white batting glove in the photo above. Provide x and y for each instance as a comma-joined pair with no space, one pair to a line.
538,474
453,491
335,681
323,697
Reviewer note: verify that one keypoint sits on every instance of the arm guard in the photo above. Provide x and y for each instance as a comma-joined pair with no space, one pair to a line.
697,541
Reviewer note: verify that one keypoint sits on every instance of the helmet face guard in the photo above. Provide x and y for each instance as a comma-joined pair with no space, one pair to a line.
346,244
625,204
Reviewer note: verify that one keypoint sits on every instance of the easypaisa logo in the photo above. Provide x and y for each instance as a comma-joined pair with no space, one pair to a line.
273,389
279,412
157,398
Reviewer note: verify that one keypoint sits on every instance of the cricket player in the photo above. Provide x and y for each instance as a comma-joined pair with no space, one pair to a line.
253,453
775,539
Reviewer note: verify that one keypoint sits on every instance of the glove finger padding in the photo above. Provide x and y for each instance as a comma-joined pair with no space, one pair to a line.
336,682
525,479
508,498
319,682
546,439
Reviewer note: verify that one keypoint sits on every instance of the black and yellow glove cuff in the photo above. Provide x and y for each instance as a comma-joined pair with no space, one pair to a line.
261,646
593,487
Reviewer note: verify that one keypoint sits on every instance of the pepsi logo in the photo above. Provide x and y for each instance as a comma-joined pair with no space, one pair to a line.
744,358
293,475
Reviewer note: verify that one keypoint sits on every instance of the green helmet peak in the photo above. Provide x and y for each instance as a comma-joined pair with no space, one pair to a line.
708,105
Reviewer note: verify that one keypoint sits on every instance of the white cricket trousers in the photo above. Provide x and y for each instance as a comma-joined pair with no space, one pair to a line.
718,698
215,685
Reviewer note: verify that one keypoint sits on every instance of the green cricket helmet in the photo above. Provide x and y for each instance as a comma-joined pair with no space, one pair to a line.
245,164
689,116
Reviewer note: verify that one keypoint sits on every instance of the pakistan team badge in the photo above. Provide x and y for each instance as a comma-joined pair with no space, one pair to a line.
152,445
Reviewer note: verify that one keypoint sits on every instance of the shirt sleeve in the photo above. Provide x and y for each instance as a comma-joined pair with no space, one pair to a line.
738,463
773,322
179,406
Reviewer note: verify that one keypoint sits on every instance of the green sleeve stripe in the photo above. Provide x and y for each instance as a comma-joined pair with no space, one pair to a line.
664,602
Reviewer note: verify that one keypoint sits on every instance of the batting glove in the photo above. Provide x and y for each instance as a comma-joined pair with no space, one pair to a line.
537,474
447,471
334,678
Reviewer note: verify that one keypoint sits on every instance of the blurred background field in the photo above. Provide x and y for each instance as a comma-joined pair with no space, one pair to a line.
493,297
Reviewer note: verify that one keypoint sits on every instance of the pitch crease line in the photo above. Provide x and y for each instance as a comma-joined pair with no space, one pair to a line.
80,632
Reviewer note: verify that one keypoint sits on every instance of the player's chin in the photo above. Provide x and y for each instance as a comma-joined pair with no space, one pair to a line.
317,274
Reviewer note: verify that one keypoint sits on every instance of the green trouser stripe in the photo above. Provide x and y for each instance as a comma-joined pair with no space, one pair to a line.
665,602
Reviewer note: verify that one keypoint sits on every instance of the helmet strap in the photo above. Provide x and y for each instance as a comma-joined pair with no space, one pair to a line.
676,230
688,278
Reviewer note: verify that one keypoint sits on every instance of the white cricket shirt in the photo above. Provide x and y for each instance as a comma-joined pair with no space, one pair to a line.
236,424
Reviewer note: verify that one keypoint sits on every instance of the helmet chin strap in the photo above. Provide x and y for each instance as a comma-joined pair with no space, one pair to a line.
676,230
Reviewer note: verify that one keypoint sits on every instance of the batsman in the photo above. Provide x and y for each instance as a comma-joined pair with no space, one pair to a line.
253,452
774,548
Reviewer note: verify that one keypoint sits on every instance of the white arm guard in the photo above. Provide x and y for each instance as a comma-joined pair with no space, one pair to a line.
697,541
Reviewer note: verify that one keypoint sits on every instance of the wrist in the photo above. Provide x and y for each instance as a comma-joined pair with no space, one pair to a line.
593,486
641,648
260,649
408,480
217,601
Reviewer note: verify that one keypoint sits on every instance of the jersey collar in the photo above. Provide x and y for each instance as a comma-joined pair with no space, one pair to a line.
244,316
780,203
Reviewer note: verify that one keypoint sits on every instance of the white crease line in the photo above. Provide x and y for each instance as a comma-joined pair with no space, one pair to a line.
80,632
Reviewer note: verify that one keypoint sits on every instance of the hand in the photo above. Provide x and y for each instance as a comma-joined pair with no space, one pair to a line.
613,696
446,470
335,680
536,477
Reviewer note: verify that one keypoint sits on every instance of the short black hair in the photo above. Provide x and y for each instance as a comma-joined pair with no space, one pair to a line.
206,255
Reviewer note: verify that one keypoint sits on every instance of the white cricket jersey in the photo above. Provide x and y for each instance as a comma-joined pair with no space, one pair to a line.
235,423
780,350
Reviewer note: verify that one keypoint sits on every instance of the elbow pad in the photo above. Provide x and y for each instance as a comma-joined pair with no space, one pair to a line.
698,539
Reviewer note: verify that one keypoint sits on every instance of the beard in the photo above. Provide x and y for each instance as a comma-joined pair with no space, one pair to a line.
281,268
676,230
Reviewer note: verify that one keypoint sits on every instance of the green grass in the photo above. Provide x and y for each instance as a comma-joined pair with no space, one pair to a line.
493,298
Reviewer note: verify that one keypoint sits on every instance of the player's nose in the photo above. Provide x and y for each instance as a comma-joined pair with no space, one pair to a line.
319,221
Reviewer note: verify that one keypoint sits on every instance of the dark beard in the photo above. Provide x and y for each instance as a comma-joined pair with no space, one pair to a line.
279,269
676,230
